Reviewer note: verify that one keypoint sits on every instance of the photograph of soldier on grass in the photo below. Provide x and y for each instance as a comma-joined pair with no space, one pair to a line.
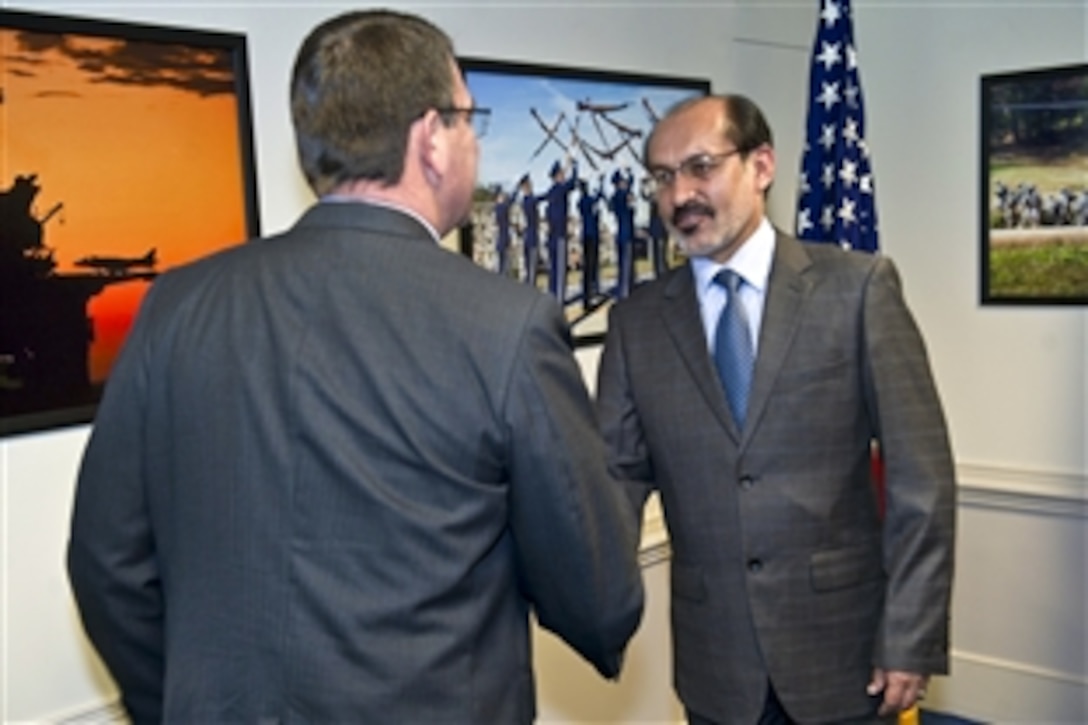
1035,187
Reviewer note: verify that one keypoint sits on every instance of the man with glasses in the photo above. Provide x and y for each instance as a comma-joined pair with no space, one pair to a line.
335,470
747,387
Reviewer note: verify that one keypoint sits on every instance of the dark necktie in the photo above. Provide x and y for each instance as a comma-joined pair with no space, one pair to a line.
733,352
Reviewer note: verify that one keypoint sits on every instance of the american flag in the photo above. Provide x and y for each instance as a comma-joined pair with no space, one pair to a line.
835,195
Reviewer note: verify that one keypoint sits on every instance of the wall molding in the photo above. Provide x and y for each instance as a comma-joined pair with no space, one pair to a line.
1020,668
654,554
1023,490
103,713
655,537
995,689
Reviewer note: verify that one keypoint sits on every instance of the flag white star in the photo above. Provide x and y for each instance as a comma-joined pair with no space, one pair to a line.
803,186
851,57
851,94
847,212
850,131
830,55
827,136
830,13
849,173
803,222
827,218
829,96
829,176
865,186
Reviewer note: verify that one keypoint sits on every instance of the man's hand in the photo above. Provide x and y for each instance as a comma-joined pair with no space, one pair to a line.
902,690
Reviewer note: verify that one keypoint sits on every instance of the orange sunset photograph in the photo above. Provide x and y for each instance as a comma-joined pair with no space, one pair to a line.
121,155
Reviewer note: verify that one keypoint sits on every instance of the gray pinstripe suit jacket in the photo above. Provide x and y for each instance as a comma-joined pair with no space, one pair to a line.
781,566
332,474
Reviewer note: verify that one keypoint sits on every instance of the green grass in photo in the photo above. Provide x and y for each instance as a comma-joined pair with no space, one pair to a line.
1056,269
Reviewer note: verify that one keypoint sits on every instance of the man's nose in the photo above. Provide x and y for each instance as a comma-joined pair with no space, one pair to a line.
681,189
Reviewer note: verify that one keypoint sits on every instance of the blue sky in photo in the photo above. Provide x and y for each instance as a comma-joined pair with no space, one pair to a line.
514,135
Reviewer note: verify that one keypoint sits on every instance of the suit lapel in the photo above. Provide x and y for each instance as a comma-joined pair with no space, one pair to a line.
680,313
786,293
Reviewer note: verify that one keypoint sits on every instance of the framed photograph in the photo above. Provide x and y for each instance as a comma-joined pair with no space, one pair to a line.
564,202
1034,221
127,149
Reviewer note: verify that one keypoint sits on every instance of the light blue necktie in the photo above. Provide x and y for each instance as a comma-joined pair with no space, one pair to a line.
733,352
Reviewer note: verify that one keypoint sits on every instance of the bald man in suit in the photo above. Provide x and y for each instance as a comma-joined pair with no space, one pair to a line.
792,600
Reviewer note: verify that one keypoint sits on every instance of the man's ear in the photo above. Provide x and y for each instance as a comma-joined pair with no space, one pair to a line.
431,146
763,161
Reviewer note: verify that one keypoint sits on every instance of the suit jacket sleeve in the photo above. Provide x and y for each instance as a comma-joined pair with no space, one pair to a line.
576,540
919,482
620,421
111,553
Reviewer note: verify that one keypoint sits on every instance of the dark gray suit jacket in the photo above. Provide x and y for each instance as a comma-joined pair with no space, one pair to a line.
781,566
332,474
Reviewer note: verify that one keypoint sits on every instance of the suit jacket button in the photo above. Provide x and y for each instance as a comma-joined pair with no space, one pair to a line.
755,566
747,482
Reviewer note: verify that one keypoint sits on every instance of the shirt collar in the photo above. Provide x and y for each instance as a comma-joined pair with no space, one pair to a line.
341,199
752,260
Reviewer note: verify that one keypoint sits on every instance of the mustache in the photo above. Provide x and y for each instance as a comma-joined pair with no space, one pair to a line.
691,207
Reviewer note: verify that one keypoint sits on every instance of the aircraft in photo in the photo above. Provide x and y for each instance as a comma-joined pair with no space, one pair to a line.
117,266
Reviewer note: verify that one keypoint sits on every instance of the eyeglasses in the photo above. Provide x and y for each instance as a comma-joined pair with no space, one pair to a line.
699,166
478,117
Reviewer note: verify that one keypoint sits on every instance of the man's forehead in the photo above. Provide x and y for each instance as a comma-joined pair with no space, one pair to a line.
684,135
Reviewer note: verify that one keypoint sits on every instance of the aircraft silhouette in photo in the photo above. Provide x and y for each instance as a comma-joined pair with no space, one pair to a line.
117,266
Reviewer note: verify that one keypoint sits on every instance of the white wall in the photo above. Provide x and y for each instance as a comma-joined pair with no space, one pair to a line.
1013,379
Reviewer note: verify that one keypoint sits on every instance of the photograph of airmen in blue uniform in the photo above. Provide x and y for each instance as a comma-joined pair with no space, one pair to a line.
622,204
529,204
558,215
657,237
589,214
552,129
503,202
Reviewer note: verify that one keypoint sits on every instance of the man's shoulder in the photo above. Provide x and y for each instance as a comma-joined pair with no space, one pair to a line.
654,292
194,272
829,253
467,280
824,260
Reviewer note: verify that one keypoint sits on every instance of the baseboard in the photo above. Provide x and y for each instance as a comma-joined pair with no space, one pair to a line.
996,690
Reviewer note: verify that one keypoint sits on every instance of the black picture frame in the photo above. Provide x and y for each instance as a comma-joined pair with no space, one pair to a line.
548,116
127,149
1034,187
